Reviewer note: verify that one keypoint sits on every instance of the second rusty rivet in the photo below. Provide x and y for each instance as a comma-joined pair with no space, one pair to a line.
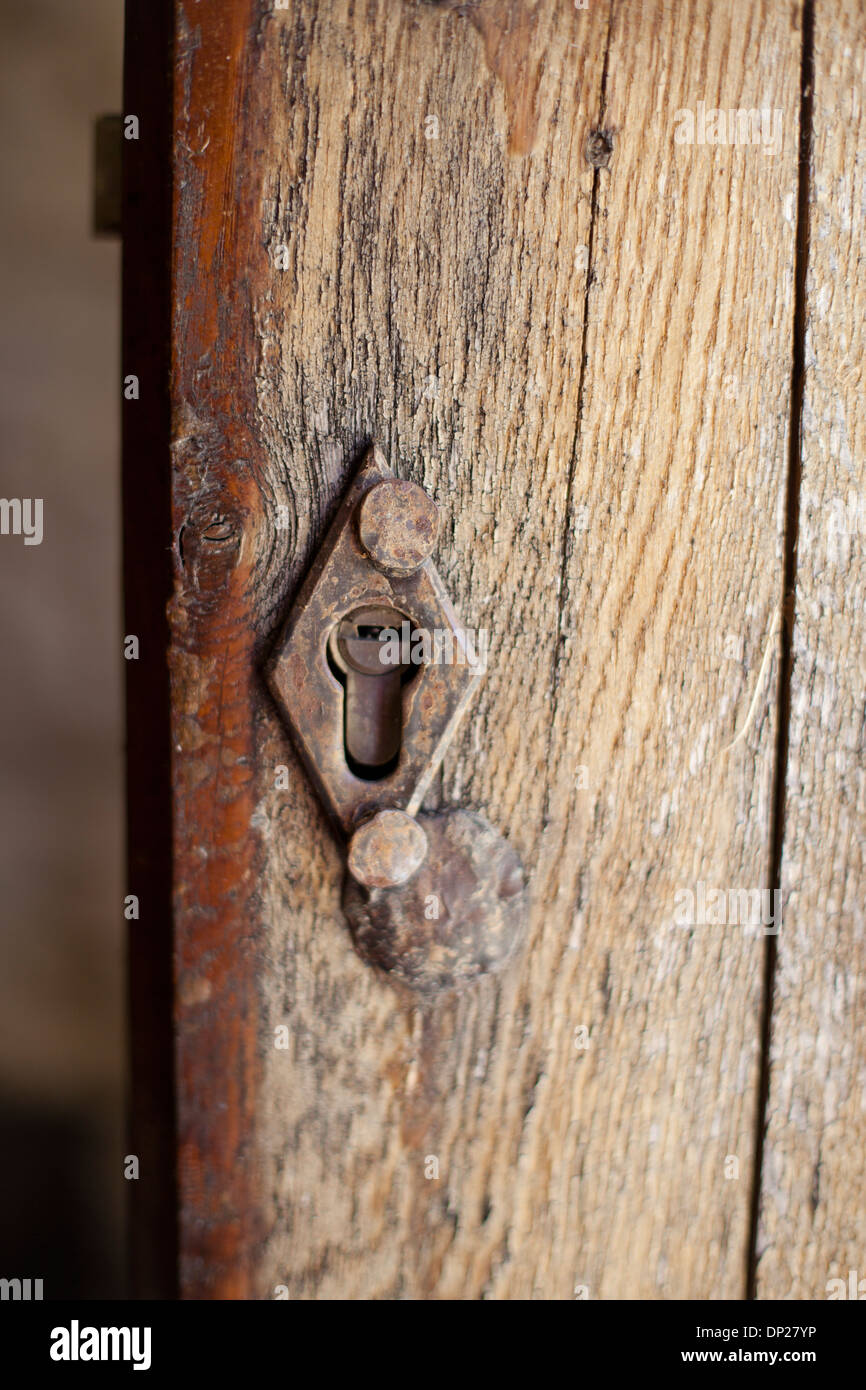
387,849
398,525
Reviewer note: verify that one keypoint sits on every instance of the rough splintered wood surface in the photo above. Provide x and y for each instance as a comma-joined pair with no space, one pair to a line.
812,1226
589,370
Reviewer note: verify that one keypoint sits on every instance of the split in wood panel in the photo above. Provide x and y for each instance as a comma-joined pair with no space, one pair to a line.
812,1231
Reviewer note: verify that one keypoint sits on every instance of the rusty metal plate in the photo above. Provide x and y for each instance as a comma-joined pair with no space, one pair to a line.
343,578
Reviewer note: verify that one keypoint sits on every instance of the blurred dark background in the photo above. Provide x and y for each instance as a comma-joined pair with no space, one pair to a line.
62,1056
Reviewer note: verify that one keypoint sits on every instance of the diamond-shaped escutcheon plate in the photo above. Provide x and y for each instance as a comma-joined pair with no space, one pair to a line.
343,578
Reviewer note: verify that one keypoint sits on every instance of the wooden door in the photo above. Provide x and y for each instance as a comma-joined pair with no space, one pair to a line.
591,275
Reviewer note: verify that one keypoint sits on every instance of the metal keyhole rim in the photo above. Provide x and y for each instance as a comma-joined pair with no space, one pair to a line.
334,660
338,672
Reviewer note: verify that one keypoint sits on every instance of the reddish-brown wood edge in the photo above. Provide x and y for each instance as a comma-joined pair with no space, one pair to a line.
191,239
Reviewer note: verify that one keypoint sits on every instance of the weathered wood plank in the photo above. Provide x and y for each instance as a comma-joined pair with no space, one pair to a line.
461,259
665,613
386,226
435,302
812,1224
219,522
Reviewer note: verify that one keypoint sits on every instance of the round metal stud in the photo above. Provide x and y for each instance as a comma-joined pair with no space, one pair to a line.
387,850
460,915
398,525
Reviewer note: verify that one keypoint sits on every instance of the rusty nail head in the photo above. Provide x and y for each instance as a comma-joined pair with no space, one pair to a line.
387,849
398,525
599,148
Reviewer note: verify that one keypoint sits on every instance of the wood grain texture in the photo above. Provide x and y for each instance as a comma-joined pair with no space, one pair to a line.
386,227
217,515
665,613
433,305
813,1227
648,403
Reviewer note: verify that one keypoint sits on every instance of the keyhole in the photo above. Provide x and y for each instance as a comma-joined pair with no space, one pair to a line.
364,655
